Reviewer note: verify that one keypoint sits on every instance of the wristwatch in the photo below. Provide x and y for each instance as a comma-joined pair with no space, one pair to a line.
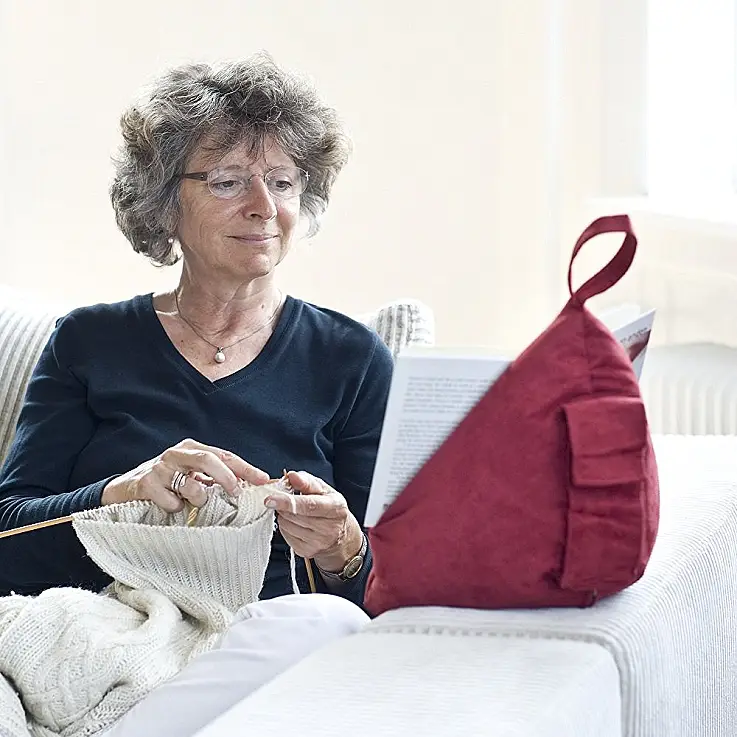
351,569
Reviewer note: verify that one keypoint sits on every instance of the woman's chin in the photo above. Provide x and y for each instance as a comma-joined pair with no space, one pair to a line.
253,265
257,268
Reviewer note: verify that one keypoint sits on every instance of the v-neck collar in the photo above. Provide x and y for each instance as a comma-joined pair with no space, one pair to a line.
144,308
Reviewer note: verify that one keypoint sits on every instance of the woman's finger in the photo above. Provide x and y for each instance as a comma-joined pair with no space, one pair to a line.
317,540
295,533
242,469
306,483
202,478
203,461
323,526
168,488
295,538
239,467
164,498
328,506
193,491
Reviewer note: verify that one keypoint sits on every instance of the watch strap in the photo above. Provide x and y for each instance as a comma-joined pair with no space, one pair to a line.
343,575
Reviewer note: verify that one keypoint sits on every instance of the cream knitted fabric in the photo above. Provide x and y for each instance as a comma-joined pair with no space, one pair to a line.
12,716
208,571
79,661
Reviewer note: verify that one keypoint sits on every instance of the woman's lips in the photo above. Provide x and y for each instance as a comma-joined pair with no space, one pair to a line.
262,238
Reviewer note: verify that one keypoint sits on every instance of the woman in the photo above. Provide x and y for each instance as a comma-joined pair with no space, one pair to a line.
223,377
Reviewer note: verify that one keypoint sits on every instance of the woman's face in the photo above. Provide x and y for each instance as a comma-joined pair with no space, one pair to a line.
242,238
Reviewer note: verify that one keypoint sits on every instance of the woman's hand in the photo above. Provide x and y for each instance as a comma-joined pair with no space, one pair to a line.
156,479
317,523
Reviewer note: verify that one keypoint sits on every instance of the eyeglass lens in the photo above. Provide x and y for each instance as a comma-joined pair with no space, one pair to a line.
283,182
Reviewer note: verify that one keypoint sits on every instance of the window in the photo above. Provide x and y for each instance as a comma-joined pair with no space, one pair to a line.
669,111
691,102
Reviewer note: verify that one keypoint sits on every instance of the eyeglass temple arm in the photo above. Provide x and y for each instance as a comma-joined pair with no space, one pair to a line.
199,175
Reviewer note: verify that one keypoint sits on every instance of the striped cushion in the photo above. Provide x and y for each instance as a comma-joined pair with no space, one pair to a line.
25,326
402,323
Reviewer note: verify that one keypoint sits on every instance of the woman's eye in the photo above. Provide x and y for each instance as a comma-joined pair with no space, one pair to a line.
281,185
225,184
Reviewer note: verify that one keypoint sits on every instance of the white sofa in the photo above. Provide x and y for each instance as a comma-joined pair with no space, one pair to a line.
658,660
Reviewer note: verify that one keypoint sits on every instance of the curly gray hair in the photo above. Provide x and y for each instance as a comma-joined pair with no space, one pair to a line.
222,107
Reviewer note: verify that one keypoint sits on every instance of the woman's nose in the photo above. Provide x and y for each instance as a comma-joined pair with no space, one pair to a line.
259,202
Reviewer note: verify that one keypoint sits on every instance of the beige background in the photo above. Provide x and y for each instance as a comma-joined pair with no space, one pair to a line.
478,137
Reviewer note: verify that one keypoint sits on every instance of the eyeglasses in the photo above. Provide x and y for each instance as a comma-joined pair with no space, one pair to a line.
228,184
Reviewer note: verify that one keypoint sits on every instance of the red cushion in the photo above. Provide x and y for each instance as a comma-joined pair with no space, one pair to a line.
546,494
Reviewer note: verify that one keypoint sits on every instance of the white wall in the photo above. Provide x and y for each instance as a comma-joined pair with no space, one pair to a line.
476,125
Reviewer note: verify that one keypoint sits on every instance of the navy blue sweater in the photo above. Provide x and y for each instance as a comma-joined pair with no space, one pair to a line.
111,391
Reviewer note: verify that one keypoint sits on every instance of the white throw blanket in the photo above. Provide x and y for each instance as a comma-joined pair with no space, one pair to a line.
73,662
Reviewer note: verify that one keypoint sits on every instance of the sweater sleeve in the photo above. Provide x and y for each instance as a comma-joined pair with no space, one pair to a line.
355,451
54,425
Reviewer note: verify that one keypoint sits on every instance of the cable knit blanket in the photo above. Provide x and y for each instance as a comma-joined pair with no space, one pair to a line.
73,662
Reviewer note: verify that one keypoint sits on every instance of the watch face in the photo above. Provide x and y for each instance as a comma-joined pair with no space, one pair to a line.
353,566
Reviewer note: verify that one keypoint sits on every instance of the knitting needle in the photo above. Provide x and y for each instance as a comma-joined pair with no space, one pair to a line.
36,526
192,513
191,519
310,576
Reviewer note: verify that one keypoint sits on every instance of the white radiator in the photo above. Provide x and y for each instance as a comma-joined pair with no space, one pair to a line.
691,389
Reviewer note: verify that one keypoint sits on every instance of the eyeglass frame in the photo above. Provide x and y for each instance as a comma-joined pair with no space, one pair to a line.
204,176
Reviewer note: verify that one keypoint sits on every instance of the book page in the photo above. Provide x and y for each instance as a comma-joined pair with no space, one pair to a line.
634,338
619,316
429,395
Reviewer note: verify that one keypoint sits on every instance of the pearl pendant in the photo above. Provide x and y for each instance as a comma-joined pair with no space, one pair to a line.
220,356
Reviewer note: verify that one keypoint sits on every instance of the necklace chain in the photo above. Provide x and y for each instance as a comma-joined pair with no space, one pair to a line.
219,356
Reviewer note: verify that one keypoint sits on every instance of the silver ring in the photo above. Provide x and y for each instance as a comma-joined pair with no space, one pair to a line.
177,481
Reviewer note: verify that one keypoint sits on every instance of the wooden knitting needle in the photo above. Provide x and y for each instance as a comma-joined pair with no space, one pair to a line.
191,519
190,509
310,576
191,512
36,526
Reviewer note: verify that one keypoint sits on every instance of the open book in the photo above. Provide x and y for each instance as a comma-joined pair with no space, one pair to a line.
433,389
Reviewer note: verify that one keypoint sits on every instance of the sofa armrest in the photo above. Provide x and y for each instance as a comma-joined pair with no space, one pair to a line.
428,683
